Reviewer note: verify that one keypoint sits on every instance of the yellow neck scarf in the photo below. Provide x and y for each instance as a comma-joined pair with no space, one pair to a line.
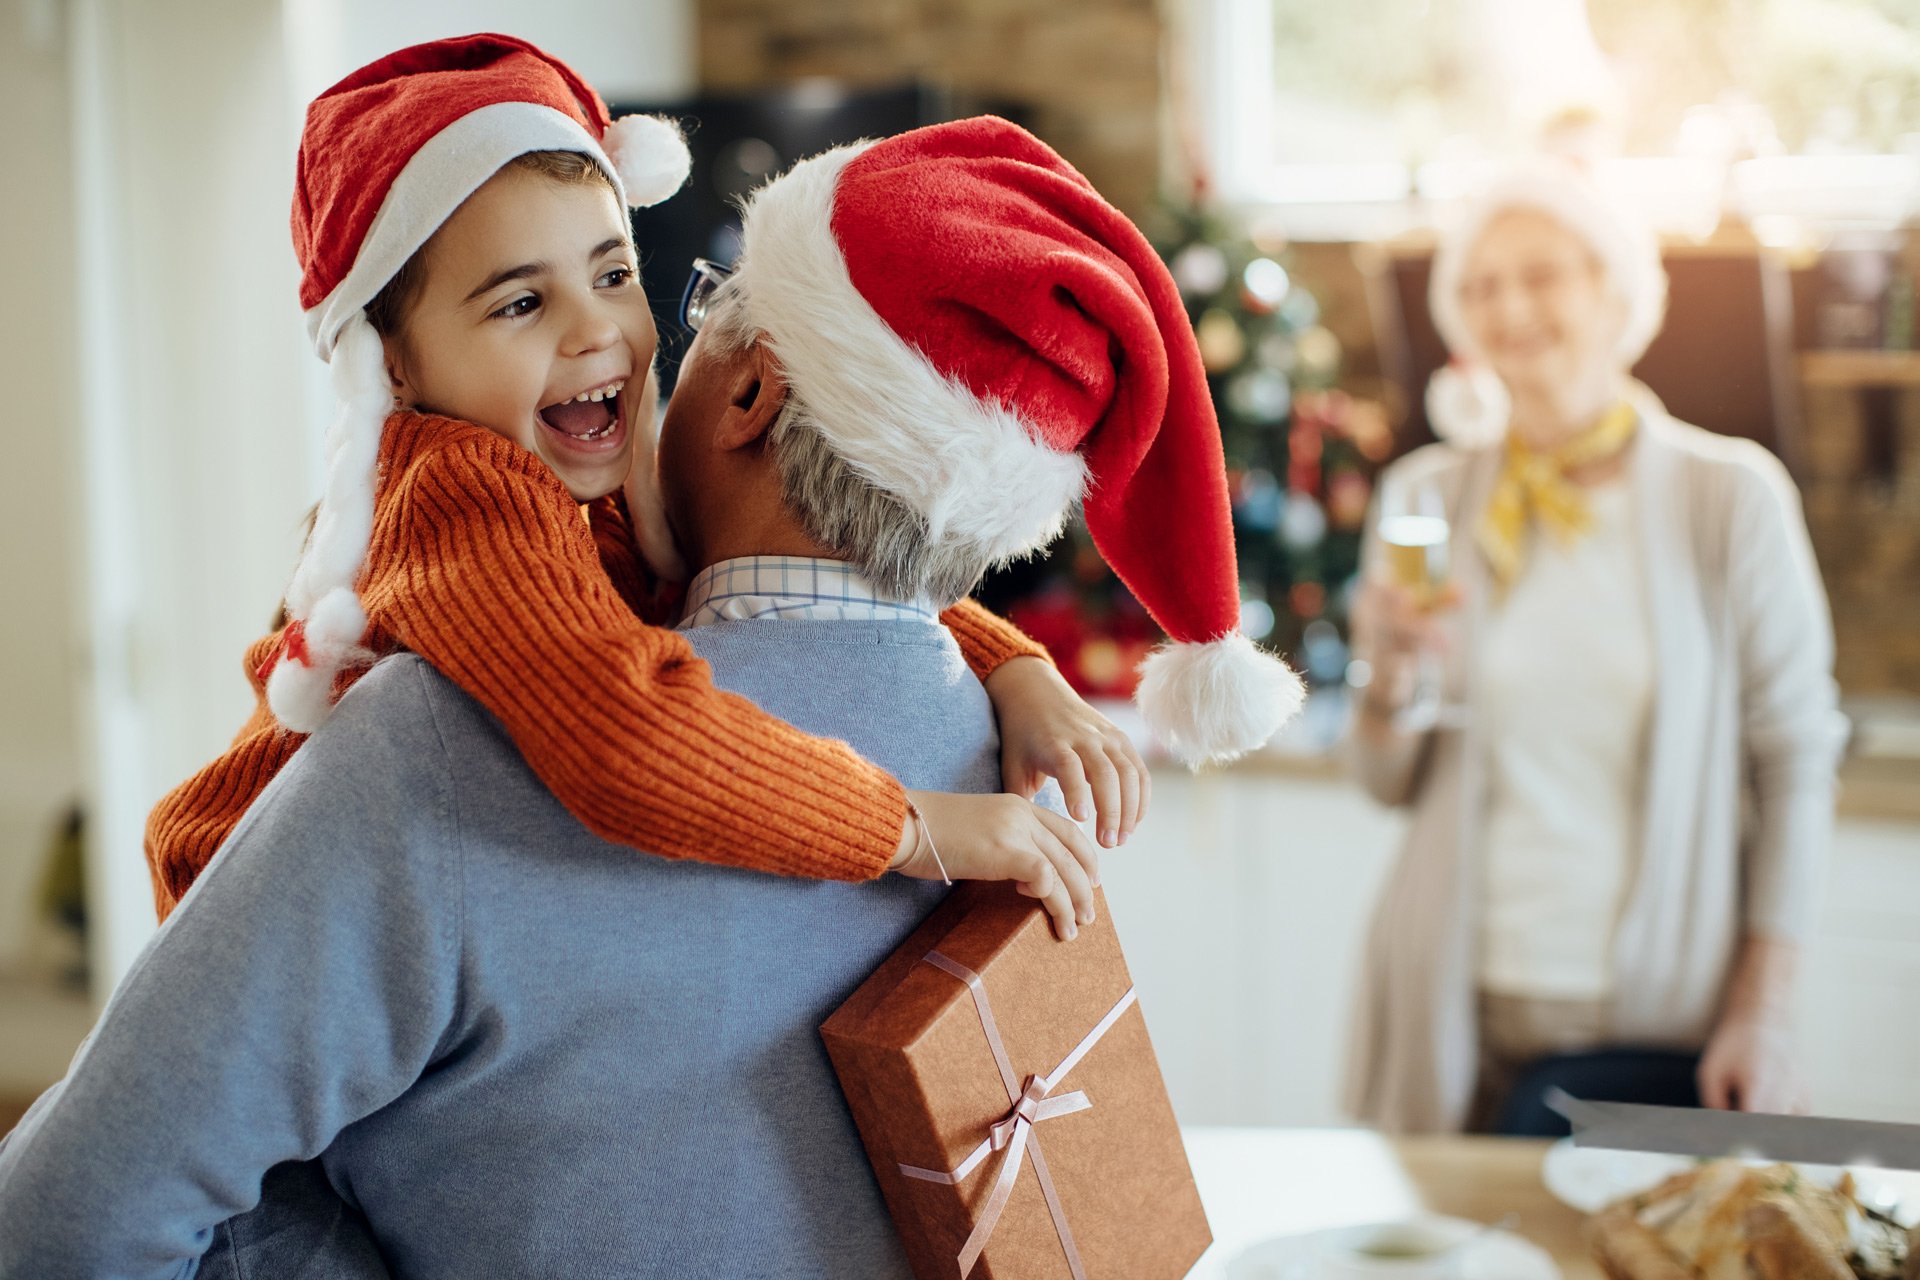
1533,485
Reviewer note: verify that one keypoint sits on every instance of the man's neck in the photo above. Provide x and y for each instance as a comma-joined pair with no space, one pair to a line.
738,544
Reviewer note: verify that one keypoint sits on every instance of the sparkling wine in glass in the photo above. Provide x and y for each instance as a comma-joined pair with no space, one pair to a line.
1415,533
1417,552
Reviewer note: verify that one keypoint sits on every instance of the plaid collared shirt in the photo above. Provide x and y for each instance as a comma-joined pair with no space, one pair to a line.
791,587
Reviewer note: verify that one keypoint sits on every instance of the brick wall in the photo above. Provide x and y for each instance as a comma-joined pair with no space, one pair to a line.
1090,70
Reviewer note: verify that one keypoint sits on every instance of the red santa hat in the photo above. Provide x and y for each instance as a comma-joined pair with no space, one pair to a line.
388,154
981,335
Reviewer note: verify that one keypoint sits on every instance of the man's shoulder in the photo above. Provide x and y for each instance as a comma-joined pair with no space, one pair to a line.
401,720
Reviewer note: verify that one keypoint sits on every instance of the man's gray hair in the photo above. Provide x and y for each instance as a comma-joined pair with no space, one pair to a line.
841,508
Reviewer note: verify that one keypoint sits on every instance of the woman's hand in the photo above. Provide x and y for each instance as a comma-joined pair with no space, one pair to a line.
1392,629
1750,1063
1004,837
1046,730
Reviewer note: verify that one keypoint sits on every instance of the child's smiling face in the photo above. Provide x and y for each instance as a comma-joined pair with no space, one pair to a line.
530,321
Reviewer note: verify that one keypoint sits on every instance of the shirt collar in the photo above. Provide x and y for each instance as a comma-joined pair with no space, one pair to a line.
788,587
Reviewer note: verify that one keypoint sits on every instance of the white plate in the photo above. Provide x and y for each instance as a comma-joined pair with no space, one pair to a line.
1497,1255
1591,1178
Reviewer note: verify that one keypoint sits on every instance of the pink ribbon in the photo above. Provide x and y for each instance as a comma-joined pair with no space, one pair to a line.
1014,1133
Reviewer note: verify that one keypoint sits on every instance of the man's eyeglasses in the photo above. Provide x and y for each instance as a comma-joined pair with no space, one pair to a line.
697,301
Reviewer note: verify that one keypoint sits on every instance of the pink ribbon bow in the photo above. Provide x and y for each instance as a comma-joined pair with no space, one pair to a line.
1014,1133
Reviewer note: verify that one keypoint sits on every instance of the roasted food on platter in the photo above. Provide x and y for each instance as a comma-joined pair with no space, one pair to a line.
1728,1220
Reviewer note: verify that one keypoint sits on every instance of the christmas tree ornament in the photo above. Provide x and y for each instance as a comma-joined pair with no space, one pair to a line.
1222,343
1199,270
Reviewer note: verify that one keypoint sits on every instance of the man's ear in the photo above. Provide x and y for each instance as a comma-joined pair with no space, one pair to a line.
755,399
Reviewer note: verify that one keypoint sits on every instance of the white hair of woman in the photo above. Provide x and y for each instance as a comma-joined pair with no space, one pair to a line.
1467,404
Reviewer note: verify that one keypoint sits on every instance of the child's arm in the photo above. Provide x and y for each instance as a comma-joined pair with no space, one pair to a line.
195,818
482,565
1046,730
481,562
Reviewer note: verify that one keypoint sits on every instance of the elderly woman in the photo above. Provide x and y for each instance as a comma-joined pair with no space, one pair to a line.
1614,728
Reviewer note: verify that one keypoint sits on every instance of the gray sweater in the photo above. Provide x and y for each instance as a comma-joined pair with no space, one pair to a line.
517,1049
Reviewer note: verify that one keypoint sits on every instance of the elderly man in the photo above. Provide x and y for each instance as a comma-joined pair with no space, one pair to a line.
481,1041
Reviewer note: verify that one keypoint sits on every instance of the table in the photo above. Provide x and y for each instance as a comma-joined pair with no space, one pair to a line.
1262,1182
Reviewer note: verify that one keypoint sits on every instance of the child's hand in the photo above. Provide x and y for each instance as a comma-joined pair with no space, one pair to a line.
1047,731
1004,837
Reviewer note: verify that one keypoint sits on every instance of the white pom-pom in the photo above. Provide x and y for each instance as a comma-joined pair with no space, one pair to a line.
650,155
1214,701
1467,405
645,503
300,692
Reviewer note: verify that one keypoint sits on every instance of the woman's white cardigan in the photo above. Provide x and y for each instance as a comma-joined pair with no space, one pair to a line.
1737,806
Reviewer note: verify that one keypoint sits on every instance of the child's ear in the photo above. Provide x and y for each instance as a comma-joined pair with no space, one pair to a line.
758,394
397,373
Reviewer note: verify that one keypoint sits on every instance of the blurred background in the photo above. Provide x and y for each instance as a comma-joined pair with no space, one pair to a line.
1289,158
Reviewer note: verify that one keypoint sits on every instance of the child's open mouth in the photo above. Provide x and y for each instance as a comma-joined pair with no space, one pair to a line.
589,419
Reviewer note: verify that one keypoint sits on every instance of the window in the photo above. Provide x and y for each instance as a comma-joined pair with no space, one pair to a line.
1808,108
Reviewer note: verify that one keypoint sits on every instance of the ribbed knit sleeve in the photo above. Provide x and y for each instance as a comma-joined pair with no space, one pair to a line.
195,818
483,566
986,639
613,540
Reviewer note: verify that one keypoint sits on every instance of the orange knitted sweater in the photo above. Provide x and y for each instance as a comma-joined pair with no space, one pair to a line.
481,564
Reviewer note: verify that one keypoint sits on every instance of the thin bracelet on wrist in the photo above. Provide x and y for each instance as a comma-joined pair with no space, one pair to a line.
926,834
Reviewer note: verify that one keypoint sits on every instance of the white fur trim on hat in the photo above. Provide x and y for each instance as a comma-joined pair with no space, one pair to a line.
448,167
1628,251
321,596
645,502
1217,700
650,155
1468,405
972,468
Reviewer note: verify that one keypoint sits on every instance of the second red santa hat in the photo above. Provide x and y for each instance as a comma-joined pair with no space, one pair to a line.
986,338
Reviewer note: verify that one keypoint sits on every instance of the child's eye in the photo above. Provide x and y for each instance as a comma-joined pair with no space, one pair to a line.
520,306
617,277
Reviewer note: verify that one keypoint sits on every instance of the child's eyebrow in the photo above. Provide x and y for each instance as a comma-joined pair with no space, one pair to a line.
528,269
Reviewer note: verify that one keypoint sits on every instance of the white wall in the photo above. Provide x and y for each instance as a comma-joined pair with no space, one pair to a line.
39,752
631,49
200,406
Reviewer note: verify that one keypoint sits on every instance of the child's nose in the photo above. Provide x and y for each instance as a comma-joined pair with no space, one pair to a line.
591,329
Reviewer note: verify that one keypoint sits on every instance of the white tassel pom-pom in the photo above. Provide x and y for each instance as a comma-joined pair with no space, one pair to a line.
650,155
343,525
645,502
299,693
1467,405
321,597
1212,702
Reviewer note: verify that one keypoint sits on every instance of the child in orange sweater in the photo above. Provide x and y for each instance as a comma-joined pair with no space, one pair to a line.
490,279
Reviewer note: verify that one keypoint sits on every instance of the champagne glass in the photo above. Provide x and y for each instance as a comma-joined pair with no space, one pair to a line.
1415,534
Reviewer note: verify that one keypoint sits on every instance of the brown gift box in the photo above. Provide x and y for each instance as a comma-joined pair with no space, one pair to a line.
926,1090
